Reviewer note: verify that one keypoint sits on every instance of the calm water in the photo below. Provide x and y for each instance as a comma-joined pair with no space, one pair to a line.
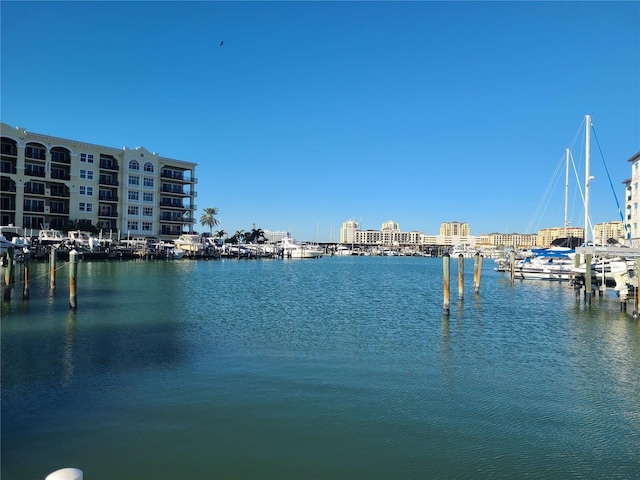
341,367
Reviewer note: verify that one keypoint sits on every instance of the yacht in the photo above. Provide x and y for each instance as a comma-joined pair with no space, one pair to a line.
293,249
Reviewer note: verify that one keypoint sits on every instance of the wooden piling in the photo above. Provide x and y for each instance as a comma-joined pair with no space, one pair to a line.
26,267
446,258
53,258
460,277
73,272
638,287
587,282
512,265
8,274
477,272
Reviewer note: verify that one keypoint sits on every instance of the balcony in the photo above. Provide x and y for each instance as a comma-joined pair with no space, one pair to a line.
9,149
59,210
60,174
34,208
107,181
59,192
108,213
8,168
34,189
174,189
7,205
107,197
61,157
36,153
34,171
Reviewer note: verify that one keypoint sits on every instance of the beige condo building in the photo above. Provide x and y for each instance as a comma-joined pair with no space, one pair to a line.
47,182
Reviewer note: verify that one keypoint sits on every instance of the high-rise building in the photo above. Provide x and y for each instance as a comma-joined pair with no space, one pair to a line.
49,182
455,229
632,198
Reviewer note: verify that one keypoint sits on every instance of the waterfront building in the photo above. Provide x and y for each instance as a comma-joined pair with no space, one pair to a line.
515,240
48,182
274,236
607,231
547,235
455,228
632,198
348,231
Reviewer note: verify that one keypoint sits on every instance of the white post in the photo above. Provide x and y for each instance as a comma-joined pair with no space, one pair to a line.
566,193
587,178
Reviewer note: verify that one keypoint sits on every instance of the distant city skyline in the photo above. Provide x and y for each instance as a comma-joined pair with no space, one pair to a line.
312,113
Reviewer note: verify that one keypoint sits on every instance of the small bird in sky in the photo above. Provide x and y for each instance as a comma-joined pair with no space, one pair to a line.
221,42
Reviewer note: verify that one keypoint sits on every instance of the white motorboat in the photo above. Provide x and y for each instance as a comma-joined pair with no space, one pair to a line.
342,250
190,242
293,249
555,263
51,237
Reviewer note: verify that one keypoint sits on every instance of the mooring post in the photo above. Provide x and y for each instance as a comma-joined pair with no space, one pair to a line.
477,272
73,272
460,277
587,283
26,267
53,257
446,260
8,274
637,289
512,265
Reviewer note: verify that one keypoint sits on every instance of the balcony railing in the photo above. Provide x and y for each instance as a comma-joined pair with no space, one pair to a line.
34,172
34,190
107,197
107,181
59,210
59,192
61,157
8,149
34,208
8,168
60,175
108,165
108,213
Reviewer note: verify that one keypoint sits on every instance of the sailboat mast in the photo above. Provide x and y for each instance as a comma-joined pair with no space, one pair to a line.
566,194
587,178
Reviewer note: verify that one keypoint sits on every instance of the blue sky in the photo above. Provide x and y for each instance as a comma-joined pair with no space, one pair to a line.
313,113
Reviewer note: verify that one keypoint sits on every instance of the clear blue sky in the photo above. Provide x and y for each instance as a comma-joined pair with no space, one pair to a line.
312,113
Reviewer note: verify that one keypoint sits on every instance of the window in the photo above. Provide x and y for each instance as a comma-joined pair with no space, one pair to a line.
86,174
148,167
134,165
134,180
85,207
86,157
146,226
88,191
133,210
132,225
147,211
148,182
134,195
147,197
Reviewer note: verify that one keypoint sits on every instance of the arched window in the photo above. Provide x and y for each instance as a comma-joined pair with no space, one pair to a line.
134,165
148,167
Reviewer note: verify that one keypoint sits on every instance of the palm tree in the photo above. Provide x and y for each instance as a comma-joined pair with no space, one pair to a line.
220,234
208,218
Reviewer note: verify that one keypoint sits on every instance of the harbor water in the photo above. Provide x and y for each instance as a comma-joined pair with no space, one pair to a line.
340,367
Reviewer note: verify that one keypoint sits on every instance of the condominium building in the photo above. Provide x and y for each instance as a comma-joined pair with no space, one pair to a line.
632,198
50,182
547,235
455,229
348,231
610,232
